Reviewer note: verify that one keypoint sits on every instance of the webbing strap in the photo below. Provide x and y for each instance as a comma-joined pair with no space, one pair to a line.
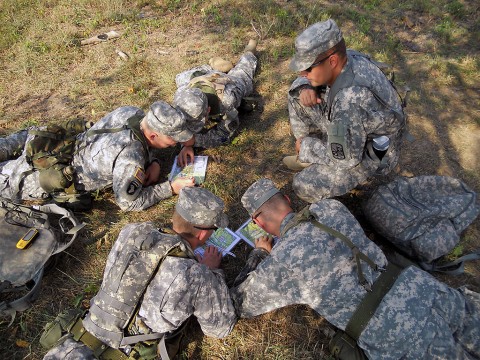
25,301
305,215
163,349
455,267
101,351
370,302
133,123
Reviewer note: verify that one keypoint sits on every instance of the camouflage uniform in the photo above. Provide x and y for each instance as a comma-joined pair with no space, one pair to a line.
182,287
355,111
419,317
111,159
239,86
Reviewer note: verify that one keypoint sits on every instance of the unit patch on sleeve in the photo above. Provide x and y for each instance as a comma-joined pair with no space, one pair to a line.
132,187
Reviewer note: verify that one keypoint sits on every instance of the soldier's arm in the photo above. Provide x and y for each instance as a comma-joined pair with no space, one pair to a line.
213,306
350,108
267,288
129,179
12,145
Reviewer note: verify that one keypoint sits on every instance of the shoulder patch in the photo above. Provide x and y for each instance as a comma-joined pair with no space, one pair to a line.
132,187
337,151
139,175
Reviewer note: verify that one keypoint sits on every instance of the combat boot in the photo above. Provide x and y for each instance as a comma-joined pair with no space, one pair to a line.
251,46
219,64
293,163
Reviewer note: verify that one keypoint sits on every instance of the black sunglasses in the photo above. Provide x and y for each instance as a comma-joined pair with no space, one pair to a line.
309,69
256,215
214,228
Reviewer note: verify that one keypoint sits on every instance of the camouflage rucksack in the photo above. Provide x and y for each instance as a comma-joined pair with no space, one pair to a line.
51,151
110,322
29,237
423,217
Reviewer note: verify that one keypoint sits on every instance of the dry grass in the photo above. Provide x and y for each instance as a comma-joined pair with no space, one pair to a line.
45,76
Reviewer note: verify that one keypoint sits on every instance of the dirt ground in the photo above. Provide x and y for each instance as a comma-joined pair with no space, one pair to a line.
444,120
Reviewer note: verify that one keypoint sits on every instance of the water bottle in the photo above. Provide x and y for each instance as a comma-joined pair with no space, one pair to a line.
380,146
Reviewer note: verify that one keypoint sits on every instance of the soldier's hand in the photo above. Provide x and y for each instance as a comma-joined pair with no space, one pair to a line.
264,242
308,97
152,174
211,257
186,156
180,183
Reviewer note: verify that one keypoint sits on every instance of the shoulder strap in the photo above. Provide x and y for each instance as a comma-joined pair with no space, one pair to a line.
305,215
347,79
455,267
365,310
133,123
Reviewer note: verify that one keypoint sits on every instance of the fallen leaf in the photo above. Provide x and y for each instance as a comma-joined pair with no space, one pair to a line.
22,343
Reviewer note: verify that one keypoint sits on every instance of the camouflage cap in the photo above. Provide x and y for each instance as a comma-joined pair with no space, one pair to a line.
257,194
313,41
165,119
194,103
201,208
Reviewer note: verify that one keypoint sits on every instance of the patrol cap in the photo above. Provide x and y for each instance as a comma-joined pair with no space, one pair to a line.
194,104
313,41
201,208
257,194
165,119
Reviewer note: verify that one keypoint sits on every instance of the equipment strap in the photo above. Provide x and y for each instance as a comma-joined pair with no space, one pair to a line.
101,351
305,215
25,302
372,299
455,267
133,123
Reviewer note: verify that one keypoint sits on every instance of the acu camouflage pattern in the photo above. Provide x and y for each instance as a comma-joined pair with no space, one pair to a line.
355,117
201,208
239,86
194,103
419,318
70,350
167,120
257,194
110,159
313,41
131,264
423,216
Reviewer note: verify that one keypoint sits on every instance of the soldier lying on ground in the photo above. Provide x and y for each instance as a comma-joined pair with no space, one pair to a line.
205,94
180,287
345,114
323,259
114,152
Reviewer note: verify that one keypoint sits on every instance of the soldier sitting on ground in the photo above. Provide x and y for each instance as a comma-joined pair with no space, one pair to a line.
205,94
323,259
116,152
345,114
124,318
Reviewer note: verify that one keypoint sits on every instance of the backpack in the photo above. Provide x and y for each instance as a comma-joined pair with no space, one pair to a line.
29,238
113,310
51,151
423,217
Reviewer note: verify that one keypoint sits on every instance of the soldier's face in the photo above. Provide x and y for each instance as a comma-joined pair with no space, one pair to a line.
162,141
318,75
321,72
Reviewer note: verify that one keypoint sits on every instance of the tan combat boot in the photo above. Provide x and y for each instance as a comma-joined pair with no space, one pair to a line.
251,46
219,64
293,163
